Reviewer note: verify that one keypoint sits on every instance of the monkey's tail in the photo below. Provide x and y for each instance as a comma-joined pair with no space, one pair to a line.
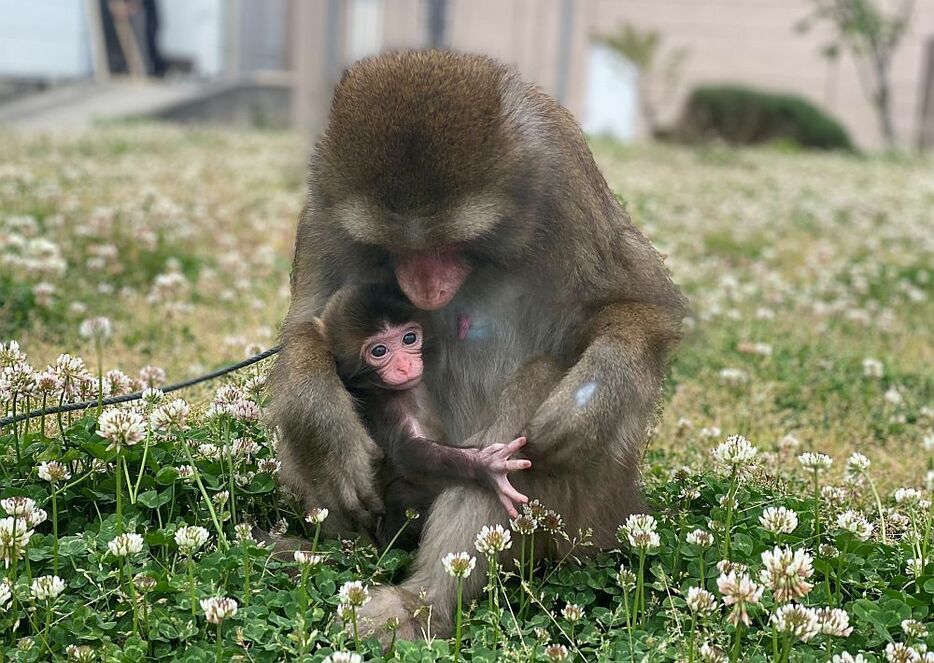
136,395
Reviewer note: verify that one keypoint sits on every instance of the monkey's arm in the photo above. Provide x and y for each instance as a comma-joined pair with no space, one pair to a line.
610,393
418,457
327,456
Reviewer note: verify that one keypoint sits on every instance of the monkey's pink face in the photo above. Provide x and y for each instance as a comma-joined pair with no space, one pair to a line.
430,280
395,352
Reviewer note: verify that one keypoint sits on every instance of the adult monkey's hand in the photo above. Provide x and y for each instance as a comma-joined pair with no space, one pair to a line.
327,455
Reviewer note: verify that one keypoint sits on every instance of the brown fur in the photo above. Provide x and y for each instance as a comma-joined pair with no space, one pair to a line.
429,150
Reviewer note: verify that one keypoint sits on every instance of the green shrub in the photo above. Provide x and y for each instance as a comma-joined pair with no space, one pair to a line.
745,116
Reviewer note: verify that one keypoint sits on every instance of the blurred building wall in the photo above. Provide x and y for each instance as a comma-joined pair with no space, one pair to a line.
44,39
751,42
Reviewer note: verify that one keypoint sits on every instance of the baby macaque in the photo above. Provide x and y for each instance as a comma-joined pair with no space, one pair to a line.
377,339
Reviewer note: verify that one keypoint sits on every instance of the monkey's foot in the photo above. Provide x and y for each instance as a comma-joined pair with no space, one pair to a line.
392,613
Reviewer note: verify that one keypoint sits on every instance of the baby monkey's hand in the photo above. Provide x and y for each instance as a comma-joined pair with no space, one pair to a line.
495,464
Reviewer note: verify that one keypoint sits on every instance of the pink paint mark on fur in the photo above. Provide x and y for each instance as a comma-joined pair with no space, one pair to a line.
463,326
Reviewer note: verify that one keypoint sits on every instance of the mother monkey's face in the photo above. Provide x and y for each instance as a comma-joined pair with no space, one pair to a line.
429,181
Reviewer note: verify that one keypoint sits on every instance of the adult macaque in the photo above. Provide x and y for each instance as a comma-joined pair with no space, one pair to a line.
477,195
377,342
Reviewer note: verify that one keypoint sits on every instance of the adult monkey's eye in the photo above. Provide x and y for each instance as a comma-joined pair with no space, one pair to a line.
409,338
379,350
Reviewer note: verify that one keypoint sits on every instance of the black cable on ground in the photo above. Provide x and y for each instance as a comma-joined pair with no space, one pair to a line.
136,395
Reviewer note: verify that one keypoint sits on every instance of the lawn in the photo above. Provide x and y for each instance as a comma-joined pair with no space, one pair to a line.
811,280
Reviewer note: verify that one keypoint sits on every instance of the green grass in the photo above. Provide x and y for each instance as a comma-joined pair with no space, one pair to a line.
798,266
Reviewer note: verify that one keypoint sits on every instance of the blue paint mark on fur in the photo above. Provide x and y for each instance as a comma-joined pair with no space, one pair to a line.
585,393
480,328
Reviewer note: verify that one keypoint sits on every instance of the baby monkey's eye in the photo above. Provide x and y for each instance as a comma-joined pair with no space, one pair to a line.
409,338
379,350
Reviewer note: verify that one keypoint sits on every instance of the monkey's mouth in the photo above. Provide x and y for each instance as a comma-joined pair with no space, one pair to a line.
430,280
408,384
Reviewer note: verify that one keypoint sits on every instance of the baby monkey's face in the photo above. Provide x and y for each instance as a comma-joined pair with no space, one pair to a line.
395,353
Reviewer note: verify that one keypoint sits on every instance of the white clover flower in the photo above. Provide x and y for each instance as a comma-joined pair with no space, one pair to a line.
190,538
81,653
35,517
726,566
735,454
908,496
125,545
899,652
245,410
244,532
10,354
856,523
493,540
144,583
53,472
552,521
786,573
152,397
927,442
47,588
19,507
47,382
796,620
873,368
118,383
700,538
846,657
815,462
6,593
626,578
710,654
245,447
185,471
344,657
218,608
459,565
914,629
123,427
226,395
738,591
556,653
700,601
893,396
640,530
279,527
14,538
915,566
170,416
316,516
834,622
789,444
97,329
523,524
733,377
220,497
354,594
209,451
306,558
572,612
152,377
856,466
778,520
270,466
